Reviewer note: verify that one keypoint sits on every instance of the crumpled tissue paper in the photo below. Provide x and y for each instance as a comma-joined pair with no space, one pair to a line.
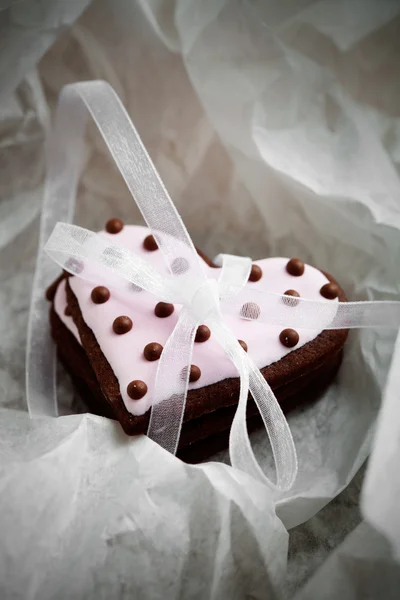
107,516
276,132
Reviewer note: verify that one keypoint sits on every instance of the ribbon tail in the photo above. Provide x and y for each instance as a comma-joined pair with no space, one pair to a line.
171,385
277,428
64,163
302,313
240,450
92,257
281,440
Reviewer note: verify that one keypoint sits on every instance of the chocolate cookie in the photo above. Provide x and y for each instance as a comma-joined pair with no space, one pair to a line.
112,341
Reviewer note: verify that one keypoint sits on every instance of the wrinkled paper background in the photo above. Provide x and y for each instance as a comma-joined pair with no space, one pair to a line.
275,127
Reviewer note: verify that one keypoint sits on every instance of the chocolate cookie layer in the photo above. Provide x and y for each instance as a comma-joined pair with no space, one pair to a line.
210,409
201,435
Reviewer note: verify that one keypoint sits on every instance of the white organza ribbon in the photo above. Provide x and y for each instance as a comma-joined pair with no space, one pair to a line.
88,255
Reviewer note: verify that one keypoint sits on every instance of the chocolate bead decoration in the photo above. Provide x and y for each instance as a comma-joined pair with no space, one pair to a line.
113,255
67,311
194,373
136,288
255,273
136,389
329,291
114,226
179,266
152,351
150,243
202,334
250,310
122,325
289,338
100,294
243,344
163,309
295,267
74,265
293,294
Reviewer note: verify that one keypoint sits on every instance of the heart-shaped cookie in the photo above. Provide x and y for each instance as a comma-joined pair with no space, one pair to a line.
111,340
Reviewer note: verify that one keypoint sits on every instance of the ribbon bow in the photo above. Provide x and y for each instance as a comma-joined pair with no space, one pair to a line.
203,300
86,254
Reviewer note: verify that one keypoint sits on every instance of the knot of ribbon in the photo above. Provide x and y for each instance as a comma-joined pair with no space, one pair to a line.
203,300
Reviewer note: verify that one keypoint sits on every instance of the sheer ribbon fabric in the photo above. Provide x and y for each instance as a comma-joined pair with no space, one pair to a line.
91,256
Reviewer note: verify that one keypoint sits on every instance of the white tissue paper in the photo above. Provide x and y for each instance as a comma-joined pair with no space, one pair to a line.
27,30
275,128
107,516
382,485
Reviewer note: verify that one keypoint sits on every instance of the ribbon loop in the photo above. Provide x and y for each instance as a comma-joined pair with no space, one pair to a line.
234,274
172,380
91,256
87,255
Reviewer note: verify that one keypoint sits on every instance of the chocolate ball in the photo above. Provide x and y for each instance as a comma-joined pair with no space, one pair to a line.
122,325
329,291
136,389
164,309
295,267
152,351
112,255
293,294
289,338
67,311
179,266
202,334
255,273
194,374
243,344
74,265
250,310
114,226
100,294
150,243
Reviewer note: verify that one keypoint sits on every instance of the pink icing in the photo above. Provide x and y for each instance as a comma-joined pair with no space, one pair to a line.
125,352
60,304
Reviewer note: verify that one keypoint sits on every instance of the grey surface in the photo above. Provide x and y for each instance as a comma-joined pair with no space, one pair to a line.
361,568
311,543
